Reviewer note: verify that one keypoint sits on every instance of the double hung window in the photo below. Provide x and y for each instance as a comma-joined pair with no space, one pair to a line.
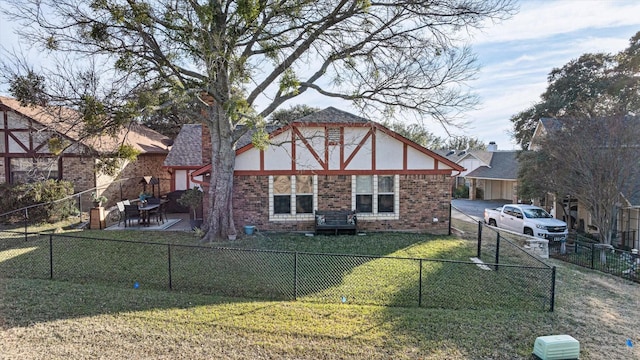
293,195
24,170
376,194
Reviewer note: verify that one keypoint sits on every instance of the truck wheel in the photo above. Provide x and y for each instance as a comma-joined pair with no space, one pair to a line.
528,231
492,222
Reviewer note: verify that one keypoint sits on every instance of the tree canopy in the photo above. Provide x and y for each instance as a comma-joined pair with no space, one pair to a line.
595,160
592,154
594,85
234,62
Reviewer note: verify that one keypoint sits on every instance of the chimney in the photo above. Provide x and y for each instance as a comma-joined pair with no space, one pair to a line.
492,146
206,145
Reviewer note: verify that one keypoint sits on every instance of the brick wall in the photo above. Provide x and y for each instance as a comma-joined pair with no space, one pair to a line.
206,144
422,198
79,170
251,201
145,165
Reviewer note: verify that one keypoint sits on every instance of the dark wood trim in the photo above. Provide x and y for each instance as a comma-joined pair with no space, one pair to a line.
360,145
340,172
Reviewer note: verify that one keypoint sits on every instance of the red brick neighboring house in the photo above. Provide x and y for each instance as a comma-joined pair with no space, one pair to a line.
25,133
334,160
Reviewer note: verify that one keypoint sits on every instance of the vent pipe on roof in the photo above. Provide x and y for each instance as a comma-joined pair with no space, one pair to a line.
492,146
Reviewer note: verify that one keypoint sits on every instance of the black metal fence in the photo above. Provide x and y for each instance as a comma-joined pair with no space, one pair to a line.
499,249
282,275
607,259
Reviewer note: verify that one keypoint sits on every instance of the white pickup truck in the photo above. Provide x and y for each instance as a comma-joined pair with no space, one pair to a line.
527,219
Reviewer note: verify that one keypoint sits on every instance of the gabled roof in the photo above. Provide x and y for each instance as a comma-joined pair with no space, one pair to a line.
65,122
503,166
544,126
551,124
458,155
327,116
332,115
187,147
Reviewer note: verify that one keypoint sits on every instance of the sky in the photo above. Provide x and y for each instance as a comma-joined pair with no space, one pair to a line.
515,57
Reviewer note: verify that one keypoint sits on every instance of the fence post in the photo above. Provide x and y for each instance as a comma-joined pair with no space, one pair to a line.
169,261
593,255
553,288
26,219
497,250
479,238
295,276
420,286
51,256
449,219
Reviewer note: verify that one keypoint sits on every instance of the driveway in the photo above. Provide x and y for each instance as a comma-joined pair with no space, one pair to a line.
475,208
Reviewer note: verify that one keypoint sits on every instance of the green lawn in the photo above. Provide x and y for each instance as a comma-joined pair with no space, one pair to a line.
396,269
99,316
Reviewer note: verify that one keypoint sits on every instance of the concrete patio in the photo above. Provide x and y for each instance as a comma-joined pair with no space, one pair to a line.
174,222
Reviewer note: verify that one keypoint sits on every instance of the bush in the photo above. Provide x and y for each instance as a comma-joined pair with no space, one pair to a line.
13,197
461,192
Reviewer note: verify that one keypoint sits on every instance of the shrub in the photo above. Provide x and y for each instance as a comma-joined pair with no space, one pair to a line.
461,192
14,197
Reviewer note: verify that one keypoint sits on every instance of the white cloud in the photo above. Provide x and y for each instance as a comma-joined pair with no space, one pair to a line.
543,19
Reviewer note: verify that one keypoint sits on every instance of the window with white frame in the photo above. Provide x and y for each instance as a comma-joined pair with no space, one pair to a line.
386,194
282,194
376,194
304,194
293,195
24,170
364,193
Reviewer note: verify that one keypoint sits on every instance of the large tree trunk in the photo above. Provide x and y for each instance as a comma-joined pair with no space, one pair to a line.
219,218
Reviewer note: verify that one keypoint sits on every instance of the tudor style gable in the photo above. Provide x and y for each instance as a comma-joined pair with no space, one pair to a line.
317,145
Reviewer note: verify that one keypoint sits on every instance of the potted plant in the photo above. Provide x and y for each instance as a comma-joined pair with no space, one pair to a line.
144,196
97,200
192,198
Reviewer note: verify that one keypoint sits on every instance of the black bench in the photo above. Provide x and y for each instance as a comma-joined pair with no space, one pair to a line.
335,221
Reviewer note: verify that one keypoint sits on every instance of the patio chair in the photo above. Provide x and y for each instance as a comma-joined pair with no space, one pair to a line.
161,214
121,214
131,212
156,212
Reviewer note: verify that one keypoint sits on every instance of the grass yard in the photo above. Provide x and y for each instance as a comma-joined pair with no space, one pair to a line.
90,318
324,269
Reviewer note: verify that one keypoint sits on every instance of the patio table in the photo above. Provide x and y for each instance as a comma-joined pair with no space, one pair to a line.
144,213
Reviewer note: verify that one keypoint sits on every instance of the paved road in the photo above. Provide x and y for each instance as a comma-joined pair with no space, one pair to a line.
475,208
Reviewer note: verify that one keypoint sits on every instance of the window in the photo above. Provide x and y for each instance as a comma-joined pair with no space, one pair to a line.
293,195
281,194
364,193
376,196
385,194
304,194
24,170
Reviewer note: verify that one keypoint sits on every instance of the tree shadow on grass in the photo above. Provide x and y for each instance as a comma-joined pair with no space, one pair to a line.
95,284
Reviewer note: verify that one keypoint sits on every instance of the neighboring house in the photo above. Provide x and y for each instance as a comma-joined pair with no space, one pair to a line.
490,174
544,126
335,160
26,134
185,157
577,215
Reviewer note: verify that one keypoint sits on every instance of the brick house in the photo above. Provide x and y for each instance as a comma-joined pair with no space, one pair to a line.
25,153
334,160
490,174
